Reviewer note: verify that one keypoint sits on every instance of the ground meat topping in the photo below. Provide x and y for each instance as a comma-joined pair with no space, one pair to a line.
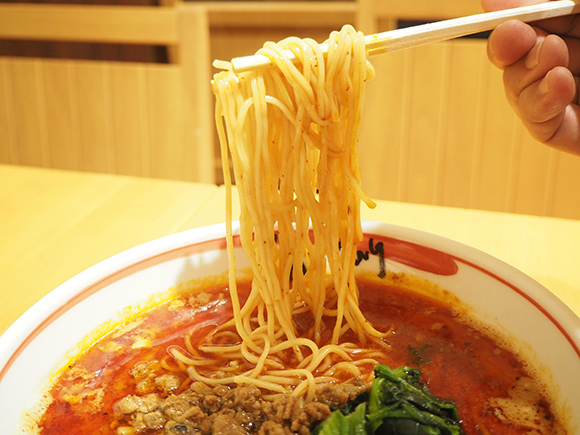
240,410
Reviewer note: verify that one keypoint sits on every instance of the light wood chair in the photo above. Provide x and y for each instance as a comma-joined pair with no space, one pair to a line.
144,119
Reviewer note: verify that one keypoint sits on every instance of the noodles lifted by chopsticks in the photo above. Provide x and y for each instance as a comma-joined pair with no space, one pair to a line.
292,134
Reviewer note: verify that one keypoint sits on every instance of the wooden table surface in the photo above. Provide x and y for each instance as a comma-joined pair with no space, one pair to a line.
54,224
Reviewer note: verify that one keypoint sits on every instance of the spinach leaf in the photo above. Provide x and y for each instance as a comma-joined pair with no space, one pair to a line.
398,403
341,424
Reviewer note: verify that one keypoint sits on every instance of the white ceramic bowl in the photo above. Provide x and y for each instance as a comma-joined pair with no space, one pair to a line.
40,342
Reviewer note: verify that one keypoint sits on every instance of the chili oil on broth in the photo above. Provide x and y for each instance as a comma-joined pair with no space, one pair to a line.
128,323
490,384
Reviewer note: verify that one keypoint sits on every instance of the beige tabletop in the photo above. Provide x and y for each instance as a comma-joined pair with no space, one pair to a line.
54,224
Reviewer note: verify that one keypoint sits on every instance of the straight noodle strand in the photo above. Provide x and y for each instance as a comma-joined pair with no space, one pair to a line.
291,135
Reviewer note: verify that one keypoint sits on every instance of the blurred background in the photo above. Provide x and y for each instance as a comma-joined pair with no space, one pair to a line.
123,87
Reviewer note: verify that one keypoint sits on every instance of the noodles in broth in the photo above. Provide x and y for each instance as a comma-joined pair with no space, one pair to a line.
291,132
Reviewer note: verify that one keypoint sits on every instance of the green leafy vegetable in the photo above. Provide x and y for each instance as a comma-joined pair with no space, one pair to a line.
341,424
398,403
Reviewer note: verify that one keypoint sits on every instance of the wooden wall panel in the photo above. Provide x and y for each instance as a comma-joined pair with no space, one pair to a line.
438,130
93,87
130,125
62,107
426,9
93,116
566,200
384,127
7,141
27,135
429,93
166,123
534,162
461,142
499,133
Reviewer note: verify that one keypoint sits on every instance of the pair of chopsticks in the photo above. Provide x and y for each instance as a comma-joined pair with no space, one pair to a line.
437,31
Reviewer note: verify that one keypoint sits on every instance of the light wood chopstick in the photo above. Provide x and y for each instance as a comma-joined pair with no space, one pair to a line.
437,31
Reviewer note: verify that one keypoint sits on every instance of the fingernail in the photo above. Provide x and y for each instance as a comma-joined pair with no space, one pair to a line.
544,86
533,57
490,43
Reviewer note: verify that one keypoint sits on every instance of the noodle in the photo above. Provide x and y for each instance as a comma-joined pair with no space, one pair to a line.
291,132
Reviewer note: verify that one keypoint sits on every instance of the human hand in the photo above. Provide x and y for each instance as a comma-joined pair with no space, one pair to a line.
541,68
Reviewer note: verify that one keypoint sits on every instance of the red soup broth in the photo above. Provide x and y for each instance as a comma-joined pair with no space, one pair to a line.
458,361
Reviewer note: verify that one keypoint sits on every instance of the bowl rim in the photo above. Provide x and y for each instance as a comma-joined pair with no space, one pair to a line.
560,314
65,296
